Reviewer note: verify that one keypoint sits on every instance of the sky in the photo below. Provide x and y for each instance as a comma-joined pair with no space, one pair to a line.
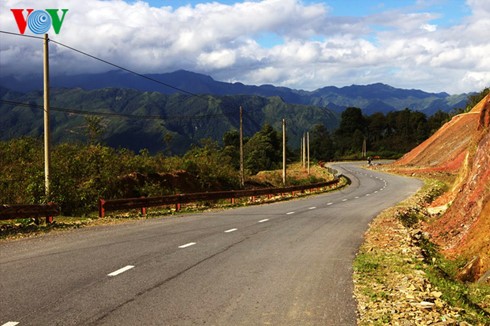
432,45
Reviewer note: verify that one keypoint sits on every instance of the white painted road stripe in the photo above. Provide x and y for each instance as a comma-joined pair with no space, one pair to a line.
11,323
312,207
289,213
329,204
264,220
344,199
187,245
120,271
230,230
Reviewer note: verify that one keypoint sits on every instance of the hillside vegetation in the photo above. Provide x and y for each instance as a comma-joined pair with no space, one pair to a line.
150,120
172,124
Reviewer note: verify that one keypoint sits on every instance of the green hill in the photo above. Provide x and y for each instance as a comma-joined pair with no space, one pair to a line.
158,122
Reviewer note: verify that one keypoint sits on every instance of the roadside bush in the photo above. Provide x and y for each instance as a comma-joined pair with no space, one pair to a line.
81,174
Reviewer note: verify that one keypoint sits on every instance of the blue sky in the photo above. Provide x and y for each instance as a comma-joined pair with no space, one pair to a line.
433,45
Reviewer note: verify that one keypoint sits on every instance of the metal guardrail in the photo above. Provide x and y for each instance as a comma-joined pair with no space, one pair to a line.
146,202
11,212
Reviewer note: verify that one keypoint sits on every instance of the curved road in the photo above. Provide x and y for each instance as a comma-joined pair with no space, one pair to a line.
287,263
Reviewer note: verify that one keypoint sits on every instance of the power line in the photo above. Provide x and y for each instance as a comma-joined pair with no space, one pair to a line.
110,114
22,35
110,63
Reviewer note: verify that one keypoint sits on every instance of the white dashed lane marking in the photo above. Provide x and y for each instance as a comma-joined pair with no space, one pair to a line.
11,323
290,213
264,220
120,271
230,230
312,208
187,245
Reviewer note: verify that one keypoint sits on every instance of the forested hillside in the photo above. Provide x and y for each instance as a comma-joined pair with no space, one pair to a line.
150,120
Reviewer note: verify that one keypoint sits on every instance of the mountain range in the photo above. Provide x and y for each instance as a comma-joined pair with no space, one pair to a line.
158,122
370,98
172,111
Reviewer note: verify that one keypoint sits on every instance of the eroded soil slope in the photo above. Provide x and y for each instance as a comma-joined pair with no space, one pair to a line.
461,147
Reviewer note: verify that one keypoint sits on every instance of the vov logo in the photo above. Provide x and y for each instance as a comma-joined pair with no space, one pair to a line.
39,21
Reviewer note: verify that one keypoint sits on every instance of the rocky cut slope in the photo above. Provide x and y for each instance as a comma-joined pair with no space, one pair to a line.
462,147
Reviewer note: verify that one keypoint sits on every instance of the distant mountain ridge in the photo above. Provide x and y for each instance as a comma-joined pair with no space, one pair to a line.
158,122
370,98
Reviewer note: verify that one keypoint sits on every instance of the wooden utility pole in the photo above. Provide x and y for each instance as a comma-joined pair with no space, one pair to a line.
47,153
242,174
301,151
308,150
364,148
304,151
284,152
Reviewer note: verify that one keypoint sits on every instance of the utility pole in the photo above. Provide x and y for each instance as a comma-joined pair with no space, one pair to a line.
242,174
304,150
308,150
364,148
47,153
301,151
284,152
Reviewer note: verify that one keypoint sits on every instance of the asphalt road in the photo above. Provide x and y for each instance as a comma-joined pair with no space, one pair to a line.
287,263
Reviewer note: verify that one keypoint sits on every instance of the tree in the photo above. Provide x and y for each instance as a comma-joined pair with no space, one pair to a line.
231,147
263,150
476,98
95,129
321,144
436,121
352,123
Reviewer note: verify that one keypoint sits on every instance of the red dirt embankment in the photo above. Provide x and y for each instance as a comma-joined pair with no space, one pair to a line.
461,147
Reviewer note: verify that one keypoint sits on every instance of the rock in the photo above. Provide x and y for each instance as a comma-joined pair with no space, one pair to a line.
471,271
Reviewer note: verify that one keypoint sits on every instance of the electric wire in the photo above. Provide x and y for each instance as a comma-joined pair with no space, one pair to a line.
127,70
22,35
113,114
110,63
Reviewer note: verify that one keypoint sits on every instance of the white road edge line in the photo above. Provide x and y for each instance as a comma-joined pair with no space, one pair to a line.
120,271
289,213
264,220
11,323
187,245
230,230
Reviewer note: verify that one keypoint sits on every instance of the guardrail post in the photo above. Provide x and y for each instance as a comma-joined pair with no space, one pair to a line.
101,207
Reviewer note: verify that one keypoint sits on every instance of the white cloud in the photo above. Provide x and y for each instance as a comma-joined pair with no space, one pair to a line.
429,27
397,47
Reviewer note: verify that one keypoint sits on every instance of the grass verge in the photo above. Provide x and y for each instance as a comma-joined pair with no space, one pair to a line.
401,278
